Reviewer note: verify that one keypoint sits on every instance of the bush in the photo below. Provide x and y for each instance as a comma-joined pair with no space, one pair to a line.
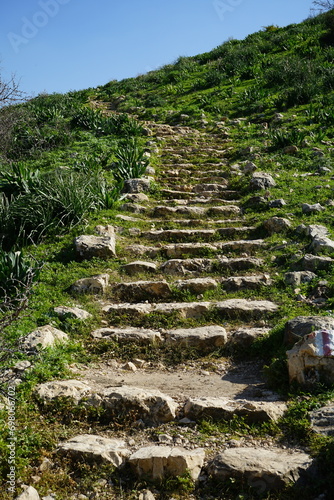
20,179
131,162
16,273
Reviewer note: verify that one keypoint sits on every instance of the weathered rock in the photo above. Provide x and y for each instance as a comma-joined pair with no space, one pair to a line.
225,409
159,462
311,360
235,283
290,150
256,202
311,209
207,337
152,406
95,449
128,334
224,210
75,390
298,327
139,250
143,290
314,263
263,469
126,308
298,277
72,312
136,197
322,244
139,266
190,211
183,266
277,225
244,337
249,167
178,234
277,203
242,308
45,336
133,208
89,246
316,231
244,245
196,285
322,420
215,188
184,309
261,180
95,284
239,264
141,185
29,494
146,495
179,250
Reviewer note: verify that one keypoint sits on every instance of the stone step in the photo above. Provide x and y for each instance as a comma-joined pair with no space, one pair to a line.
179,250
244,309
195,234
226,210
175,267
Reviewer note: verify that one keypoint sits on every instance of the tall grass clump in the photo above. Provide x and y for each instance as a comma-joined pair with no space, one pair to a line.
131,162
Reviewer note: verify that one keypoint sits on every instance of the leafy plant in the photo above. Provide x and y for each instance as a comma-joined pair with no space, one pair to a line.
16,272
283,137
131,162
20,179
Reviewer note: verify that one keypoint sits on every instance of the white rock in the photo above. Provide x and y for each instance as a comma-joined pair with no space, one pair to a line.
89,246
45,336
205,337
128,334
159,462
29,494
94,284
95,448
72,312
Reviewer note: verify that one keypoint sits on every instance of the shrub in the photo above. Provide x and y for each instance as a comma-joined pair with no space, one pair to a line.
131,162
20,179
281,138
16,273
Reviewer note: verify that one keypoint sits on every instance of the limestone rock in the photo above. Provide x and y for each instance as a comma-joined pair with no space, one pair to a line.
277,225
89,246
298,277
322,244
183,266
146,495
206,337
322,420
179,250
45,336
311,209
244,337
263,469
196,285
311,360
72,312
279,203
215,188
152,406
235,283
133,208
107,230
29,494
128,334
140,250
261,180
178,234
239,263
136,197
75,390
298,327
184,309
93,448
139,266
143,290
316,231
314,263
242,308
159,462
224,409
94,285
290,150
126,308
141,185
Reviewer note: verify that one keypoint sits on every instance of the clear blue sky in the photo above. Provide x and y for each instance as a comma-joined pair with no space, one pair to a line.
62,45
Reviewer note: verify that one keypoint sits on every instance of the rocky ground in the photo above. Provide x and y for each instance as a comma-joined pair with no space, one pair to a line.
192,278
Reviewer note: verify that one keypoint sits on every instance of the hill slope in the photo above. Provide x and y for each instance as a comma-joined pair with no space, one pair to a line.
180,338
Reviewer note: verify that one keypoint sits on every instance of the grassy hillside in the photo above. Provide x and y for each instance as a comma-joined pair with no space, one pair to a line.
268,99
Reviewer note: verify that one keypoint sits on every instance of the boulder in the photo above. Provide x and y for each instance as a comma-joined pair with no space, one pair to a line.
319,245
261,180
244,337
29,494
75,390
159,462
141,185
225,210
219,409
128,334
71,312
263,469
314,263
136,197
312,209
298,277
139,266
311,360
92,448
133,208
94,285
183,266
45,336
89,246
298,327
277,203
277,225
206,337
235,283
243,308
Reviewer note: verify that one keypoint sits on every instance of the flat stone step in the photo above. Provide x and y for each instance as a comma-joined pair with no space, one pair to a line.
181,267
236,283
232,308
225,210
179,234
171,193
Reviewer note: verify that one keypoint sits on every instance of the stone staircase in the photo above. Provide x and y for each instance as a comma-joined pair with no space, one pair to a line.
192,278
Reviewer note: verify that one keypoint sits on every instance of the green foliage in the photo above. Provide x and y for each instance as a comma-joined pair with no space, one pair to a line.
16,272
283,137
95,121
18,180
131,162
